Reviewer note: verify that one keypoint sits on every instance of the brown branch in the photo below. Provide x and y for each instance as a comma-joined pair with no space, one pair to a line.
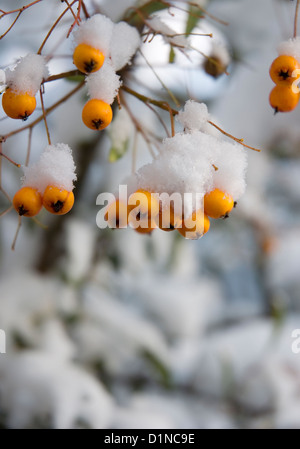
10,27
5,13
54,26
164,105
19,11
240,141
77,18
63,75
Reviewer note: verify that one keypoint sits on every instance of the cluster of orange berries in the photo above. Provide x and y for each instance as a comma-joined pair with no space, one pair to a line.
101,50
284,72
144,213
96,113
28,201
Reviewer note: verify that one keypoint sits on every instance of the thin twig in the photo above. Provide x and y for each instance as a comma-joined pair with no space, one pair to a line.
164,105
63,75
134,152
76,17
6,211
206,13
54,26
17,233
240,141
39,223
44,116
159,119
10,27
19,11
171,119
296,18
5,13
6,195
172,96
10,160
28,147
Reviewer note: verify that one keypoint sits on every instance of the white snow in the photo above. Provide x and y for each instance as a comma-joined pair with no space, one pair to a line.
290,47
194,116
28,74
96,32
36,387
55,167
104,84
125,42
195,162
156,25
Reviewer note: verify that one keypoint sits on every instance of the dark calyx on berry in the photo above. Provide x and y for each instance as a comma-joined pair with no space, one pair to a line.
90,66
25,116
284,74
22,211
57,207
97,123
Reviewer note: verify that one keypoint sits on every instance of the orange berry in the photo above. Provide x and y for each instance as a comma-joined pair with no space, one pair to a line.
117,214
282,68
97,114
18,106
283,99
167,220
88,59
218,204
195,226
27,202
58,201
145,201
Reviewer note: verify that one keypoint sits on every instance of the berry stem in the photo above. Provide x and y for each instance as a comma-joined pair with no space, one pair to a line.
28,147
296,18
44,116
2,139
16,234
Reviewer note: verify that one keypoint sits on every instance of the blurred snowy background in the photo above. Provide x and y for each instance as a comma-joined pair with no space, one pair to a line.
112,329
